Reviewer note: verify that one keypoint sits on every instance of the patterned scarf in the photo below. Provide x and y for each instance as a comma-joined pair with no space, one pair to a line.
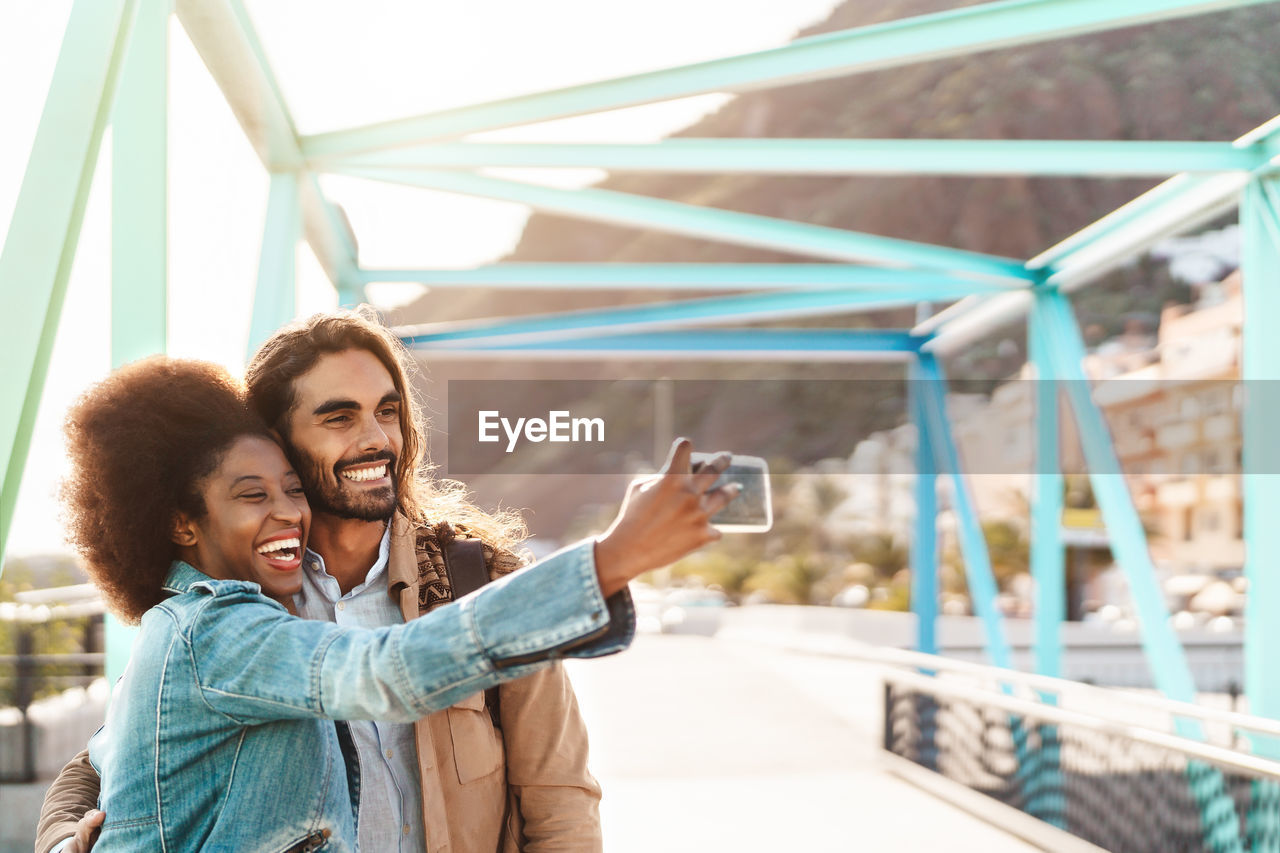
434,588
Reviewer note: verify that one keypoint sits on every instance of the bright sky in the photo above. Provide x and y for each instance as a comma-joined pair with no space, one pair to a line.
341,64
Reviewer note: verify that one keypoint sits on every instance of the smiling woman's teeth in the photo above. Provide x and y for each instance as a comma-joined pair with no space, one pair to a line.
362,474
279,545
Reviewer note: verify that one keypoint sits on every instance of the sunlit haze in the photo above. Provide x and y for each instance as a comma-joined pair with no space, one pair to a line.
342,65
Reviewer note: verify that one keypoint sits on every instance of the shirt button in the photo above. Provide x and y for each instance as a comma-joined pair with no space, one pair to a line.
388,753
406,829
342,605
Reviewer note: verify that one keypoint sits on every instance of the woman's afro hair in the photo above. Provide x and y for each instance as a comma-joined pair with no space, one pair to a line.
141,442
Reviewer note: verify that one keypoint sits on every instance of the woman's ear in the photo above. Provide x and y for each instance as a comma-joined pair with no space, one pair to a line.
182,531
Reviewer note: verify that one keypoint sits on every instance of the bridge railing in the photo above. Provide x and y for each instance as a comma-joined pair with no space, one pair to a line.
1114,769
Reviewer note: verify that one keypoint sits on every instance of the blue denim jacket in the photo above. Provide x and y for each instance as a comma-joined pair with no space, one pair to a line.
218,734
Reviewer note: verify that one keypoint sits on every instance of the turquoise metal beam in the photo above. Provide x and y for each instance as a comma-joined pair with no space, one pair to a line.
1043,785
931,386
702,344
327,230
837,157
41,243
139,197
924,544
716,311
139,224
1048,570
887,45
274,301
1165,655
223,34
706,276
690,220
1260,355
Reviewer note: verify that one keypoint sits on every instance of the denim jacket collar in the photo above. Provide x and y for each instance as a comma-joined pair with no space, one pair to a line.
182,576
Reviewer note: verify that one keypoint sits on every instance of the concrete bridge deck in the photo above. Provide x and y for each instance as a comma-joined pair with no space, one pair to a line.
708,745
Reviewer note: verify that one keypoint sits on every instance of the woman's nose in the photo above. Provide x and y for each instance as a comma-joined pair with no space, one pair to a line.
286,508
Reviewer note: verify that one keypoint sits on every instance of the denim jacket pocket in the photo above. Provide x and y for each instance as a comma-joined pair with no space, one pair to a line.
477,749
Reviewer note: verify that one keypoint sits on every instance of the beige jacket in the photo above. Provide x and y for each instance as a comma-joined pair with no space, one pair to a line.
546,800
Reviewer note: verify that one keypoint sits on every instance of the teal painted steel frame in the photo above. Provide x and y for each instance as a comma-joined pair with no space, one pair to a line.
1048,569
924,544
834,157
274,301
1260,357
1164,652
931,386
1065,347
41,243
720,310
728,226
223,34
738,344
957,32
1044,792
139,194
697,276
139,225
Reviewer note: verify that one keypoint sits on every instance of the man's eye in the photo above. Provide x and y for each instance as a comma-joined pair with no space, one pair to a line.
389,412
338,419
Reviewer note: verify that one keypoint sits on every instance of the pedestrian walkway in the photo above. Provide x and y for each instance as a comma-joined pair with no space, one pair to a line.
707,745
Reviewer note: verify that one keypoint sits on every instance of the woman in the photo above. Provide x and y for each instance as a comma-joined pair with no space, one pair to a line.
219,732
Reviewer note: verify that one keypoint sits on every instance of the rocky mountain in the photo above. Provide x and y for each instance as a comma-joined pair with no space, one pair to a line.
1211,77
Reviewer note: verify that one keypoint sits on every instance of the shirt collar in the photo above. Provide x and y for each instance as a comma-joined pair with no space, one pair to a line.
315,563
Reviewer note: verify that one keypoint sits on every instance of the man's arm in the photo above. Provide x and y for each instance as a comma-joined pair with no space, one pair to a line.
546,747
73,794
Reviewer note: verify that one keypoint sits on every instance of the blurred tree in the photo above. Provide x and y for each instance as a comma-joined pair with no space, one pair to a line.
56,637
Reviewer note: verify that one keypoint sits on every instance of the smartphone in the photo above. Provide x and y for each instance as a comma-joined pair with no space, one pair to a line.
752,510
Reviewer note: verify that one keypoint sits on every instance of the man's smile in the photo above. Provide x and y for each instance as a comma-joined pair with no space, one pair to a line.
365,473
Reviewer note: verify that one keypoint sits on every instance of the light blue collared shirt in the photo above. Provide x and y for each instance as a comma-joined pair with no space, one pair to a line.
390,785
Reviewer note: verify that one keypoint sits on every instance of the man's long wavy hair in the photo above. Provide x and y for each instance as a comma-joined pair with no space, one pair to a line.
296,348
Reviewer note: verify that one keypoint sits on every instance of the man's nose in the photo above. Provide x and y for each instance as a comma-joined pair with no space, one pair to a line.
374,437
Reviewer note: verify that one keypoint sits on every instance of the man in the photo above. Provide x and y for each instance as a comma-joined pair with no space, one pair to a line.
472,777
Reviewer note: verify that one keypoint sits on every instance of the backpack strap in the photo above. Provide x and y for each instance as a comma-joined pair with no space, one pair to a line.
464,561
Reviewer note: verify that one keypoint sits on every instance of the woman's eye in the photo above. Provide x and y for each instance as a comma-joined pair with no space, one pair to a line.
294,490
254,496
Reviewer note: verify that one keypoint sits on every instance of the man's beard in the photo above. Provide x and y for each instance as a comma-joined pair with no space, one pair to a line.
343,501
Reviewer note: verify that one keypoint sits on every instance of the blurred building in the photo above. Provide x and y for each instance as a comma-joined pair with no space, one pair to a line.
1176,425
1172,400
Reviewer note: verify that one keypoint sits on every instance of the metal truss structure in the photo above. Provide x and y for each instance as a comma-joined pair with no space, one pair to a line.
112,70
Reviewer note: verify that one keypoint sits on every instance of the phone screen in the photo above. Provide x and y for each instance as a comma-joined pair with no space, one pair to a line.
752,510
